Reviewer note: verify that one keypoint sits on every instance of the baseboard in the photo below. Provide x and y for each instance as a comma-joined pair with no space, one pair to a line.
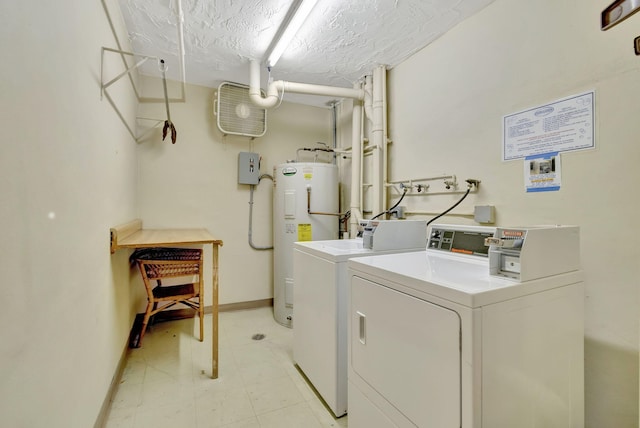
176,314
253,304
101,420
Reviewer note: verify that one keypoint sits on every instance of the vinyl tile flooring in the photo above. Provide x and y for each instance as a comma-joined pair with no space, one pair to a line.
167,383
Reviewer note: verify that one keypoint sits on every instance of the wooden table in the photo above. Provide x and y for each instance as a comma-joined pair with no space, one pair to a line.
132,235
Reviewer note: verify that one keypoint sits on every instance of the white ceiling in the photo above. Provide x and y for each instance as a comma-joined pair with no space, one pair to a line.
341,41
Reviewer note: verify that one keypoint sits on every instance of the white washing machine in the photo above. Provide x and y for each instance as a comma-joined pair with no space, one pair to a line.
438,341
320,307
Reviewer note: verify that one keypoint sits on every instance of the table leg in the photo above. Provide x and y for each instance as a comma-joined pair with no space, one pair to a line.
214,315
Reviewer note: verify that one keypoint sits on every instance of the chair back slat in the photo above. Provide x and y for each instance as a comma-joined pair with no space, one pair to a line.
155,269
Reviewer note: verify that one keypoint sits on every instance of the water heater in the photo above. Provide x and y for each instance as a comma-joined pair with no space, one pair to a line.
305,197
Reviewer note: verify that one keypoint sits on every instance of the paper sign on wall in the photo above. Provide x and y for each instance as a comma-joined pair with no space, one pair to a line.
542,173
564,125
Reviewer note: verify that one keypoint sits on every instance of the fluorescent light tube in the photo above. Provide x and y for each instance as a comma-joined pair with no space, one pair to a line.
292,27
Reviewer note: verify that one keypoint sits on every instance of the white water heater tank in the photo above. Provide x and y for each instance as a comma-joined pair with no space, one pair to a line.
300,187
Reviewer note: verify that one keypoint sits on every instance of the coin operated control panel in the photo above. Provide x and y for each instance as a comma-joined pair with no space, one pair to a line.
458,239
527,253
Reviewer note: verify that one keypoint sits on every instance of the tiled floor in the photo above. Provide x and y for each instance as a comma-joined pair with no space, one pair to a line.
166,382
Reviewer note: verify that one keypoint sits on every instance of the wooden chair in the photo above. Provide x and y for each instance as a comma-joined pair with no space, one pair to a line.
157,264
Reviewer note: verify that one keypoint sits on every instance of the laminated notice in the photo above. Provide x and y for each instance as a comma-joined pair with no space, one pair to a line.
304,232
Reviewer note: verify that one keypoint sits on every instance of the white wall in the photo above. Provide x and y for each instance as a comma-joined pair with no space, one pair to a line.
446,106
69,171
194,183
68,302
67,168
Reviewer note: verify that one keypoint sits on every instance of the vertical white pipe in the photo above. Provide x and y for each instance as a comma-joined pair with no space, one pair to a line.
385,139
377,139
361,154
356,167
255,93
368,96
183,74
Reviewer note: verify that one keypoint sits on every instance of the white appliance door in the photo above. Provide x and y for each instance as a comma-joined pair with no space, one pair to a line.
319,347
408,350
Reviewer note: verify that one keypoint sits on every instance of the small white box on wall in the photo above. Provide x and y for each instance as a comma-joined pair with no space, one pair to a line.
484,214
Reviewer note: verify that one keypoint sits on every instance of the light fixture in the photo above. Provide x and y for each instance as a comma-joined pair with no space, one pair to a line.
617,12
298,13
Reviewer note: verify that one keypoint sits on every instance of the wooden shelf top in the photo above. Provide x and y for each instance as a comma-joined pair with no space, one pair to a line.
132,235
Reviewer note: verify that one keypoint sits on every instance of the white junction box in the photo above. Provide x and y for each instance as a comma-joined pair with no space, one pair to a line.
484,214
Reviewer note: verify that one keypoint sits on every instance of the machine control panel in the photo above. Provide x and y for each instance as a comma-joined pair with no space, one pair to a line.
469,240
393,234
519,253
507,238
527,253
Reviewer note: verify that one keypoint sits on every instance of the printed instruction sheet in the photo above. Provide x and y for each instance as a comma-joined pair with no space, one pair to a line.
564,125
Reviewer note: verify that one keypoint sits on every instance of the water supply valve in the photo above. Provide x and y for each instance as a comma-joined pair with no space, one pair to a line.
451,183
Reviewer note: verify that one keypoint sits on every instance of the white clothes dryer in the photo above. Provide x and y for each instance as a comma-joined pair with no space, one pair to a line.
436,341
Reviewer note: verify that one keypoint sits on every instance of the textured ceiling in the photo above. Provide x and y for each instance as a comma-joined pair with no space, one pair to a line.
340,42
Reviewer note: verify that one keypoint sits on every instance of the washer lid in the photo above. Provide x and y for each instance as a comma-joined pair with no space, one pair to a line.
340,250
463,280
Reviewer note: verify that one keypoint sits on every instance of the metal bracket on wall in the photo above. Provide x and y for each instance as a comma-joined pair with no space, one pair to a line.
419,187
129,69
105,85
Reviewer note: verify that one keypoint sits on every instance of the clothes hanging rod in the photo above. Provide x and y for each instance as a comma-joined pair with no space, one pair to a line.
181,53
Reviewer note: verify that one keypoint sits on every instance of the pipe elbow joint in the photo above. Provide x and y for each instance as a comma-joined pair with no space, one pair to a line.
267,102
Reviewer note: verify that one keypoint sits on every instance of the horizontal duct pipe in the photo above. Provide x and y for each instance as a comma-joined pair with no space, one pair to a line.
280,86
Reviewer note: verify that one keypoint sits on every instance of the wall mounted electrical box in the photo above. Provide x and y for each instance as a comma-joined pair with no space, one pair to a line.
484,214
248,168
